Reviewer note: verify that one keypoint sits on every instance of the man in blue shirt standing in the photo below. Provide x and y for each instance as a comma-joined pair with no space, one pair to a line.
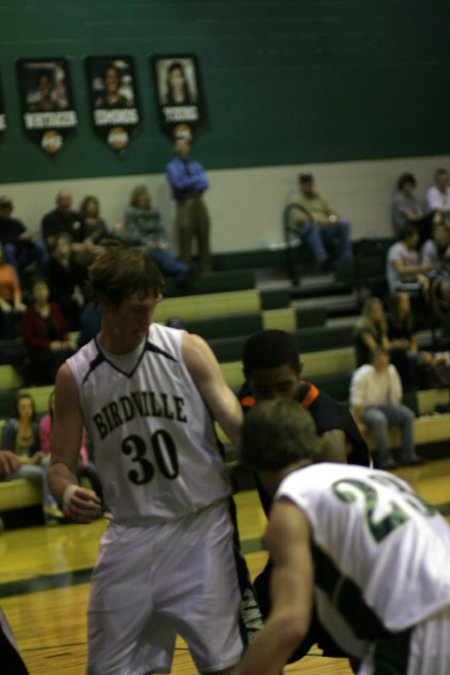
188,182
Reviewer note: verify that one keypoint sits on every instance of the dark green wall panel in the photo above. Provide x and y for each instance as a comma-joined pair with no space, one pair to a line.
286,82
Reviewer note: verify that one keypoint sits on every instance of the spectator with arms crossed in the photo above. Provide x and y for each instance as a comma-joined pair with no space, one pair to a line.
188,181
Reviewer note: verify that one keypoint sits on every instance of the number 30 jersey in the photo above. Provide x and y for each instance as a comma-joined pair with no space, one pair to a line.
154,441
381,555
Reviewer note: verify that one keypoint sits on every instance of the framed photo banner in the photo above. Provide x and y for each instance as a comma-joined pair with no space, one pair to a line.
179,94
114,100
47,104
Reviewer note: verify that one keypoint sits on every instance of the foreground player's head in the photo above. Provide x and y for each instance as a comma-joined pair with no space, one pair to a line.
277,435
127,286
271,365
119,272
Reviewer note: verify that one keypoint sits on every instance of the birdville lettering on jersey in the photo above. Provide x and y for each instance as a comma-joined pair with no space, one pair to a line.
138,404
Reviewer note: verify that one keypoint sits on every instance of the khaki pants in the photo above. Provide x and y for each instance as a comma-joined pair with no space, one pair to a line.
192,222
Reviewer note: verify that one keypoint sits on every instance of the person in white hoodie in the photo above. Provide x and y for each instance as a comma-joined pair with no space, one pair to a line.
376,400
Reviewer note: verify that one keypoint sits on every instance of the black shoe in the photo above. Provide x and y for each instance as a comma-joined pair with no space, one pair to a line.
412,460
387,464
321,267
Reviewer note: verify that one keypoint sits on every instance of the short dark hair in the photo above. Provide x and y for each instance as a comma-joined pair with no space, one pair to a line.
406,178
408,230
380,350
119,271
278,433
270,349
5,200
111,66
305,177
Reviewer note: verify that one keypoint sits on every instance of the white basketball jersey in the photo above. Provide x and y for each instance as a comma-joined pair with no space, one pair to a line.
381,555
155,446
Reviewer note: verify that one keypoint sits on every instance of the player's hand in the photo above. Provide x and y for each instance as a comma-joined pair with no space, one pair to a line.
81,504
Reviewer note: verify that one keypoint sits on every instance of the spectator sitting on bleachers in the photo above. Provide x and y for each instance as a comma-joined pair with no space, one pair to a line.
439,292
21,436
142,228
90,320
45,335
319,223
95,228
64,219
404,271
86,466
370,331
20,246
412,365
67,280
438,195
11,305
407,208
426,370
435,249
437,252
376,400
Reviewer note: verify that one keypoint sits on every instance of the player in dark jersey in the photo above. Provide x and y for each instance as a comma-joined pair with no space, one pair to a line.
272,368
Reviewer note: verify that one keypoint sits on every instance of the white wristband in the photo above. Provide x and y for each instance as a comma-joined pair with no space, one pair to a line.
68,492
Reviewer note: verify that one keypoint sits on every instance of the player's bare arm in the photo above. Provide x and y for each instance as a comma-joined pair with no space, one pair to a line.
82,504
205,371
334,446
291,590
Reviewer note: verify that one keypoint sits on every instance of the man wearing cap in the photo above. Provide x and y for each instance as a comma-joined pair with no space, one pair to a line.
317,222
20,246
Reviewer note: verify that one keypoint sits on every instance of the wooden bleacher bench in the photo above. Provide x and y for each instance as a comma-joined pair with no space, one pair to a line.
214,282
10,378
233,325
255,259
195,307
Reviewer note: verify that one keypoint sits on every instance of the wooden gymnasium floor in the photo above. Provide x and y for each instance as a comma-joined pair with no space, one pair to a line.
45,577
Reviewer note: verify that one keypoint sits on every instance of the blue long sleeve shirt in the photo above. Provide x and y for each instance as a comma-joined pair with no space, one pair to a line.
186,178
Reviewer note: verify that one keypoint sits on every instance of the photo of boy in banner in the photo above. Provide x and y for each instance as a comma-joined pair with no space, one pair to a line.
45,87
115,112
48,110
116,87
178,92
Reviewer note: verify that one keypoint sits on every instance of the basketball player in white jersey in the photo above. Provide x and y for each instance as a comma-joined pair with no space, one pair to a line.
357,542
148,396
